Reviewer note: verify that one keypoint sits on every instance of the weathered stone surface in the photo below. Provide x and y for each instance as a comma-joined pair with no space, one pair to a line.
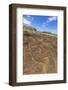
40,54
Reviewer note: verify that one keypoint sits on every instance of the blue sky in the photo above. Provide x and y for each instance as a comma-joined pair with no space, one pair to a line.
42,23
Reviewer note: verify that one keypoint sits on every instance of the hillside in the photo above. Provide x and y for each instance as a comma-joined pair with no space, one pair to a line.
40,52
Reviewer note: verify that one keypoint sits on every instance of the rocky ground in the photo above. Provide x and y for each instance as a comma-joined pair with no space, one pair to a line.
40,54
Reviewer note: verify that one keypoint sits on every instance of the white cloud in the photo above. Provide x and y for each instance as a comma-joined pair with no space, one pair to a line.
28,16
32,19
27,22
44,24
50,19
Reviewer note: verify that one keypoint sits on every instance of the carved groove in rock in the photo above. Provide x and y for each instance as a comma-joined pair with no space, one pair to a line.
40,54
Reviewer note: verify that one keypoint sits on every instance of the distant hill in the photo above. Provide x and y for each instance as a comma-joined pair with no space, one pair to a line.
50,33
25,26
30,29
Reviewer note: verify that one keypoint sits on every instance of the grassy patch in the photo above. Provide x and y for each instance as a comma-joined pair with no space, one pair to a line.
39,33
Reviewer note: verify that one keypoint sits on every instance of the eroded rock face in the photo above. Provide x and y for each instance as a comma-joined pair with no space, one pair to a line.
40,54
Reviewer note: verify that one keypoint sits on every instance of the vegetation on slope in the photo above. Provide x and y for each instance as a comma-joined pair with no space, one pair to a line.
35,31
